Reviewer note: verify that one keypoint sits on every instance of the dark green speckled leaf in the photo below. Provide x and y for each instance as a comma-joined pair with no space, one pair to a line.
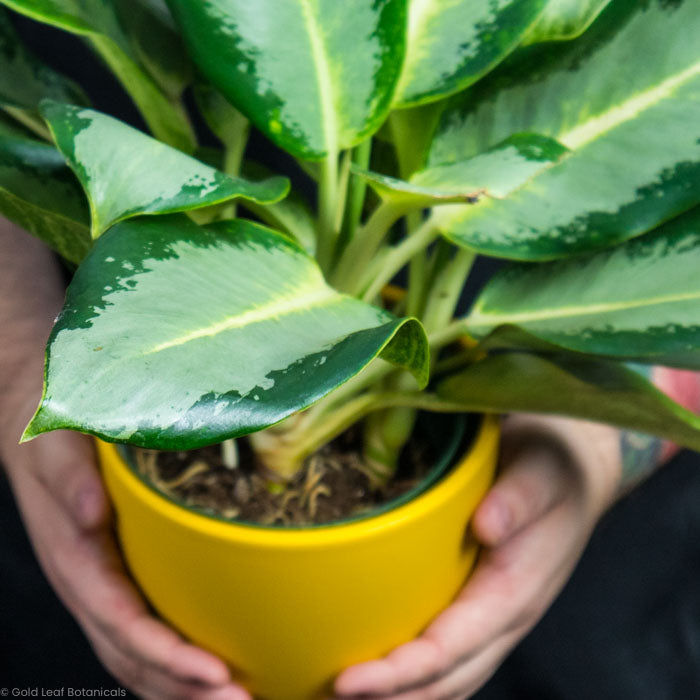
40,194
25,80
571,385
452,43
126,173
625,97
316,76
248,334
495,173
640,301
98,22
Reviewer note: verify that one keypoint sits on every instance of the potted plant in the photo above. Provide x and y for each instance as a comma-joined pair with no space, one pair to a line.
562,137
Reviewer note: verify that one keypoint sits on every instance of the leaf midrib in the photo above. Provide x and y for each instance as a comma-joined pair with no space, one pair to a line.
265,312
630,108
324,79
478,318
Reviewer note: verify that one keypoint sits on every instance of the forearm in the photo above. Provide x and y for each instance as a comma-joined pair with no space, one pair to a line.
31,294
642,454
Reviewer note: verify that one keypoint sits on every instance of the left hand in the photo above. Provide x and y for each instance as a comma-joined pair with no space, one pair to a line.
558,476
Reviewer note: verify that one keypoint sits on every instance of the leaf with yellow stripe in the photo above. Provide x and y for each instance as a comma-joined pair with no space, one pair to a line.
625,98
640,301
174,336
315,76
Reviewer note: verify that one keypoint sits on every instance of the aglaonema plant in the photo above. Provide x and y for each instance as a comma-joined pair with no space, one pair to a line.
209,303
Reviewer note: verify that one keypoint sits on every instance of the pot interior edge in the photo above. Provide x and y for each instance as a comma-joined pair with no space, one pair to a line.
451,434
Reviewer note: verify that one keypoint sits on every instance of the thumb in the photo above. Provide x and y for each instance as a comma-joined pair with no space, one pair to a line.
535,478
65,463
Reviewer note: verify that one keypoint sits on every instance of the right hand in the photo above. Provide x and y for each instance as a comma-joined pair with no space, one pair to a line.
66,512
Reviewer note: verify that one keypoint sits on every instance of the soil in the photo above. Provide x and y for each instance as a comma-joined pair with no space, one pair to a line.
332,484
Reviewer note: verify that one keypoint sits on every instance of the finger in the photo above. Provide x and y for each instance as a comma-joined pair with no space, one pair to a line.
152,683
507,593
64,463
86,570
534,482
459,683
105,596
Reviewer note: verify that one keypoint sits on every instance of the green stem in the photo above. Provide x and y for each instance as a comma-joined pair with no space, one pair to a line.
331,425
443,297
417,271
165,118
400,255
357,190
449,334
235,148
364,245
327,201
34,124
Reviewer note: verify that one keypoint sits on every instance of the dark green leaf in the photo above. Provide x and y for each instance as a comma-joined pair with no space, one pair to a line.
40,194
315,77
572,385
126,173
452,44
97,21
250,334
639,301
25,80
634,130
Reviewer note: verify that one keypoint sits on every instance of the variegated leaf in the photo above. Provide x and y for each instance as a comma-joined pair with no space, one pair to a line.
126,173
634,131
639,301
452,43
316,76
175,336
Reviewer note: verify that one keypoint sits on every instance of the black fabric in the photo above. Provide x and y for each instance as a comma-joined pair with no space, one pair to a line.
626,627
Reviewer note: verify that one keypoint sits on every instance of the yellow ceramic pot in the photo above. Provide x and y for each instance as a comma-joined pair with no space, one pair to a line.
289,609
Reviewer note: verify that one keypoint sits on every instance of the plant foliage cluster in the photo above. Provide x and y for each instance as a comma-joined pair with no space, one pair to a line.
209,302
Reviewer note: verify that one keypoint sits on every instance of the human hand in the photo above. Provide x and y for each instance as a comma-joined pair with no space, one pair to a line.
67,516
557,478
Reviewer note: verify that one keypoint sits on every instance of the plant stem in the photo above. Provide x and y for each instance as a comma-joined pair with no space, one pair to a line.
443,297
229,453
448,334
327,201
364,245
343,181
235,144
333,424
356,190
400,255
166,118
34,124
417,271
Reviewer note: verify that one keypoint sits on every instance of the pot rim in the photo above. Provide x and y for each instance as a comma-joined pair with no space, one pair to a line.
432,499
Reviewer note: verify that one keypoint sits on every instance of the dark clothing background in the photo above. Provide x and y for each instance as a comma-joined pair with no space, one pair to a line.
626,627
